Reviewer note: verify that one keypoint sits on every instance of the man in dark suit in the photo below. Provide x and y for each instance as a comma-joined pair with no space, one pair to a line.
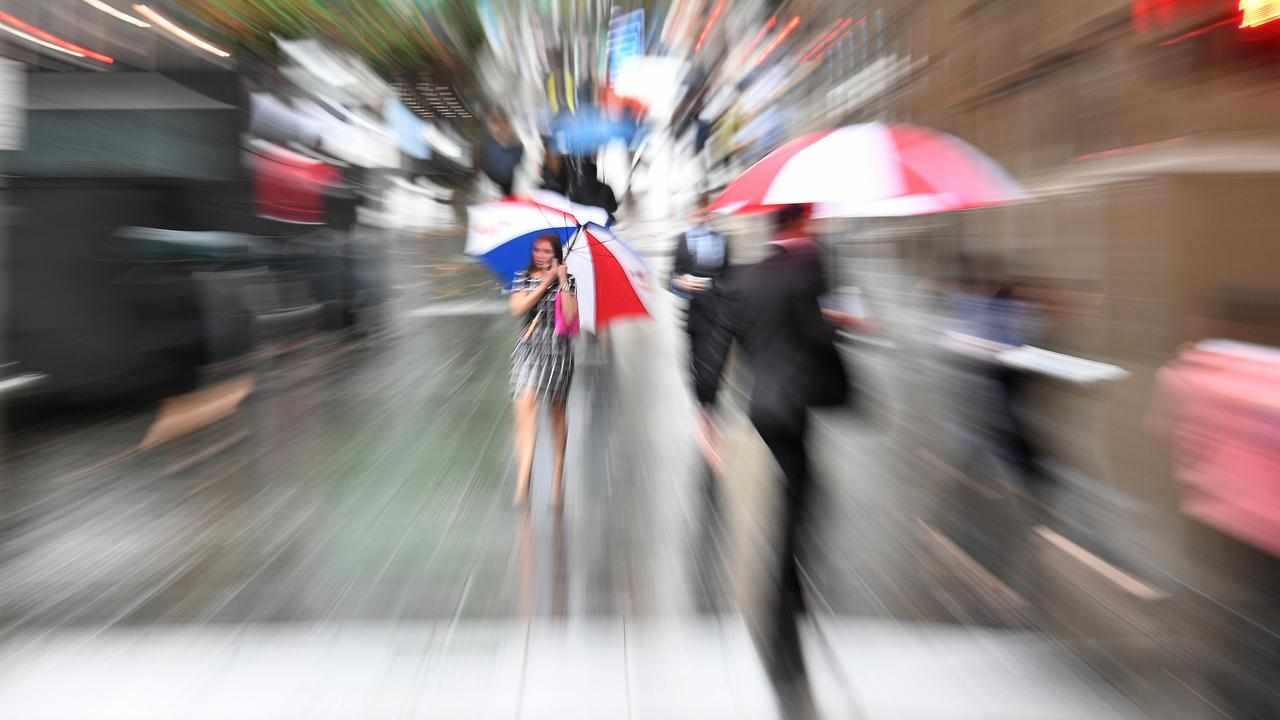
789,344
701,266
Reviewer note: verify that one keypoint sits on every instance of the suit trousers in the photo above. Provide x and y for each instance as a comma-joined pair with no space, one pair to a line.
785,604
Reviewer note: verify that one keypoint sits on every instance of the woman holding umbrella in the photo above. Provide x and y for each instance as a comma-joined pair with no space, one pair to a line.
521,242
545,296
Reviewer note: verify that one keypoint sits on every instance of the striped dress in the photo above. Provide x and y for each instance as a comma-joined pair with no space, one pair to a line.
542,360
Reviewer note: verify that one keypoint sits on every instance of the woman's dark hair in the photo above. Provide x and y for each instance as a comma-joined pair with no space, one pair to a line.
556,248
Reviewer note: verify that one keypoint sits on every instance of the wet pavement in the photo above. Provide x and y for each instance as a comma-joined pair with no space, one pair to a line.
343,546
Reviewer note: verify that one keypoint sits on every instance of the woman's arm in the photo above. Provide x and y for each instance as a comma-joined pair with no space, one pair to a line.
569,303
524,301
569,307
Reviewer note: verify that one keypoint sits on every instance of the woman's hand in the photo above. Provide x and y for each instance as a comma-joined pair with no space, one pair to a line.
690,283
551,273
568,303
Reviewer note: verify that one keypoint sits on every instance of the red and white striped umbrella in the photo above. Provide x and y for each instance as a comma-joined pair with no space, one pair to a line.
872,170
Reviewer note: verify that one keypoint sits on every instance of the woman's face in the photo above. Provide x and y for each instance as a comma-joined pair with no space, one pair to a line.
543,254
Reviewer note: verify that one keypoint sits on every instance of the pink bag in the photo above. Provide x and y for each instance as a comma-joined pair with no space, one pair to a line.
563,329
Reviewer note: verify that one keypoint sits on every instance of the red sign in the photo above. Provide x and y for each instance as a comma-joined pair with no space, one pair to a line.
1158,14
1161,14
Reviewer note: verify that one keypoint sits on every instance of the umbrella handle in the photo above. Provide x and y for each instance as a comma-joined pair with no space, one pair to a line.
571,242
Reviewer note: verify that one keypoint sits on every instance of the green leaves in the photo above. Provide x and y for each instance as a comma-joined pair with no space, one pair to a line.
391,35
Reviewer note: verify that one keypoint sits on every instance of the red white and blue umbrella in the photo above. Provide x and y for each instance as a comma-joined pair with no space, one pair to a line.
613,280
502,233
871,170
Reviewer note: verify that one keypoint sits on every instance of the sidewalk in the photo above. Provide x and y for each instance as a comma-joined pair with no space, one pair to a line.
344,547
576,668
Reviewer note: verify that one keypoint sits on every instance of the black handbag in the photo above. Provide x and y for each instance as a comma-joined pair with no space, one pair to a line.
830,384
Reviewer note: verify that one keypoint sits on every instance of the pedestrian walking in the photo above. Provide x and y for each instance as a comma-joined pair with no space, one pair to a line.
545,297
701,267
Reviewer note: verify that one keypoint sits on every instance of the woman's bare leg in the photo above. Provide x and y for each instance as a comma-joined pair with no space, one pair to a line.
526,434
560,435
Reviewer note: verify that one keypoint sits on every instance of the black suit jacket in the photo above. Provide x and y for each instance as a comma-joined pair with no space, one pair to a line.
789,345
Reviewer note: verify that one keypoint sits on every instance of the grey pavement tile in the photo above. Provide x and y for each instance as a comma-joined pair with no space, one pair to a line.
138,673
576,667
475,670
954,672
677,668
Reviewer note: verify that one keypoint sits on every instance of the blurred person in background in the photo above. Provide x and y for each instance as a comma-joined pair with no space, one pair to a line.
555,171
542,364
992,314
587,188
1018,320
502,153
790,346
989,318
701,264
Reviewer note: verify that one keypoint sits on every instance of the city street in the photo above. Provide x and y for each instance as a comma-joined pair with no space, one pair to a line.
343,546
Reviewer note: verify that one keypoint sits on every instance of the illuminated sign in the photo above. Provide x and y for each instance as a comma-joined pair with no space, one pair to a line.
1255,13
1156,15
626,39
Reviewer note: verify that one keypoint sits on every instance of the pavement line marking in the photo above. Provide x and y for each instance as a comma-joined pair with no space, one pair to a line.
460,308
1118,577
975,569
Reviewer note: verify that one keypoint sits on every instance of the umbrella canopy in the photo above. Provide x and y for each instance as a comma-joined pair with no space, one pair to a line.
584,213
502,233
588,130
613,280
872,170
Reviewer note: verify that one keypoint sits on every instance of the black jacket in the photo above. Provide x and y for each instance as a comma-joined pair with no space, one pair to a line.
591,191
789,345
